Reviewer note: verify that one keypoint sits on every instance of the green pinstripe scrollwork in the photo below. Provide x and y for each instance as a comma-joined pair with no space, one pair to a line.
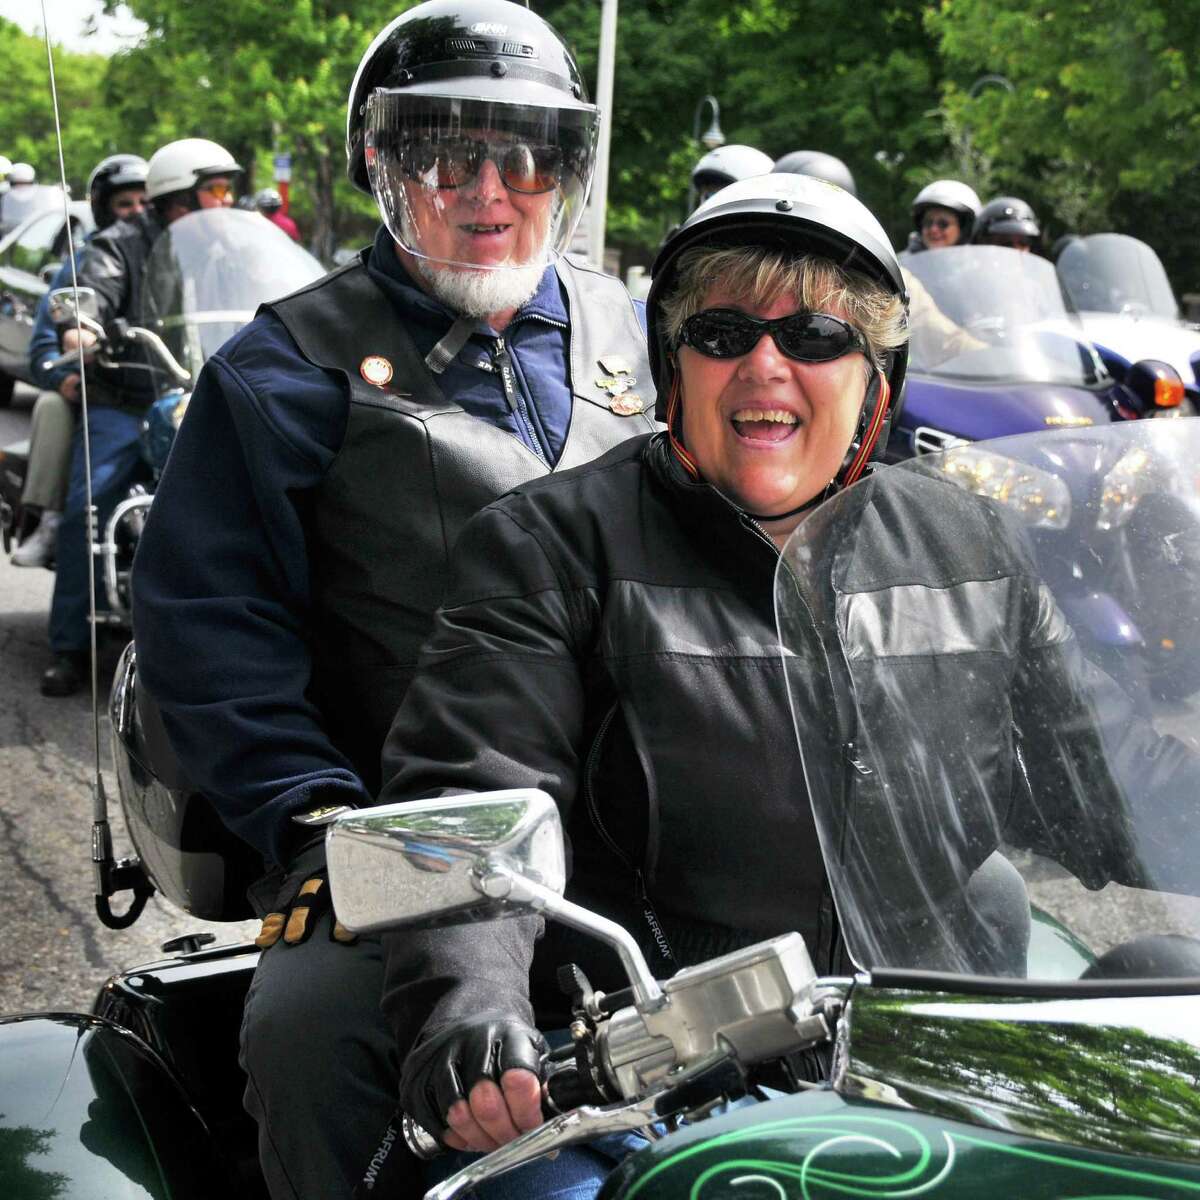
918,1166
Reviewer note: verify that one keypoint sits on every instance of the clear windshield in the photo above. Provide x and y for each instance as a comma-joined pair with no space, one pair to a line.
993,663
1113,273
996,315
208,273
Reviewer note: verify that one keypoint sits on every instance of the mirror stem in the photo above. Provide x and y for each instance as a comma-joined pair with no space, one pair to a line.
498,883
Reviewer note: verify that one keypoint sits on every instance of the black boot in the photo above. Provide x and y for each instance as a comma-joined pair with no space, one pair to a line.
65,675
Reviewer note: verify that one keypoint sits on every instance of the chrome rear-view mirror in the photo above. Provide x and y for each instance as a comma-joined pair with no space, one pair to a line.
443,861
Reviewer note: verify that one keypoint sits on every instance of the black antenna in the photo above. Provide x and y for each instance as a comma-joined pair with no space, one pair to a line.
111,875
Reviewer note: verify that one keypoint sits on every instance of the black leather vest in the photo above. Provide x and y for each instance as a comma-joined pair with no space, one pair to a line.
412,469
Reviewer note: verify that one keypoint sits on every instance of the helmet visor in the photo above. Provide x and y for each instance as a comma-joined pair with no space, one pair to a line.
477,183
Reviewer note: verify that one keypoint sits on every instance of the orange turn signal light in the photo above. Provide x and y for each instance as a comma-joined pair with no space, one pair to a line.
1168,393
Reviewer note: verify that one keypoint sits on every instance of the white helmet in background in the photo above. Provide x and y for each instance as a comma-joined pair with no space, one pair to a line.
950,194
21,172
182,166
725,165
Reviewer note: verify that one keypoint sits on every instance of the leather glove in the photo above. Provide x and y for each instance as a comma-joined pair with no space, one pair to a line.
297,918
443,1070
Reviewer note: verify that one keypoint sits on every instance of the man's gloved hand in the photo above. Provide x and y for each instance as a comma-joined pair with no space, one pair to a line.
295,922
476,1084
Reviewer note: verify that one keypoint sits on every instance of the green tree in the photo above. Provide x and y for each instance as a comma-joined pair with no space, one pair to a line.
90,129
1102,105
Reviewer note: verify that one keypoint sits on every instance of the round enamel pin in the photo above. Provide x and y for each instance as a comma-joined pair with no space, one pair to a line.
376,370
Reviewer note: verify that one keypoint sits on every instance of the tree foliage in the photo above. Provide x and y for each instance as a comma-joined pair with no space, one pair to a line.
1087,107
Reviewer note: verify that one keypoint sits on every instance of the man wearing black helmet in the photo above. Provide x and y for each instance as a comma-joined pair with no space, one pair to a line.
117,192
1007,221
280,602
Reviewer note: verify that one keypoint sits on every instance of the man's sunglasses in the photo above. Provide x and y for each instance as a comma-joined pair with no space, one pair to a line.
524,167
218,191
807,337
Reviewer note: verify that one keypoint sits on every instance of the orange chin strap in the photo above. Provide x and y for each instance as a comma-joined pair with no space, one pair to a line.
673,402
846,477
867,446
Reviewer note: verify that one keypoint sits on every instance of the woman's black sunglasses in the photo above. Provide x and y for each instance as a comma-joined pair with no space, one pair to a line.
808,337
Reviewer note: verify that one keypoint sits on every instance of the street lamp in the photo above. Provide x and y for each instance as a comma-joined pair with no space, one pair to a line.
712,136
710,139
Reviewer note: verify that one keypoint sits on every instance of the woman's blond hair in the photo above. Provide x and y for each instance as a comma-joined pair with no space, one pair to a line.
759,275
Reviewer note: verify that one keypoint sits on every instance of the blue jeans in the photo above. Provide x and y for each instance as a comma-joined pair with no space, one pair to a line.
116,465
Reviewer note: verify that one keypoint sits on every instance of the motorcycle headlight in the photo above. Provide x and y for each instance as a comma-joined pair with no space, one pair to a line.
1041,500
1127,481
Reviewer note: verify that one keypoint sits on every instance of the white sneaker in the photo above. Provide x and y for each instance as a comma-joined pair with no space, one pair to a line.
38,548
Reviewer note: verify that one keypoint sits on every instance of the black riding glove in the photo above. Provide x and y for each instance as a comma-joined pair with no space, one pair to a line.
301,902
444,1069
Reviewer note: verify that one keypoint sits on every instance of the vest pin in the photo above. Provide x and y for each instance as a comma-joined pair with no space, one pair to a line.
627,404
376,370
615,364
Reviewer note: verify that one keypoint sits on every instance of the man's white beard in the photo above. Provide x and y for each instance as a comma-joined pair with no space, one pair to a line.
477,294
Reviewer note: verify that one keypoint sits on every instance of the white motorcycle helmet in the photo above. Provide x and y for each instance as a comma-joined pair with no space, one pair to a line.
21,172
950,194
725,165
182,166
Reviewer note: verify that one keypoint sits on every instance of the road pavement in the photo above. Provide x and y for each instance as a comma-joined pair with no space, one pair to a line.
54,953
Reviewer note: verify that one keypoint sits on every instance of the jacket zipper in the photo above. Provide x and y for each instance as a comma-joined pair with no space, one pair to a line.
641,895
516,402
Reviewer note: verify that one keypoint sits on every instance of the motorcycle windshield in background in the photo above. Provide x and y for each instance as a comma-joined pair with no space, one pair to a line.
992,658
1114,273
995,315
209,271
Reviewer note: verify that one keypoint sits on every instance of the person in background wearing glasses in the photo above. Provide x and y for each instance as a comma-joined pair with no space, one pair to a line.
116,192
943,213
297,547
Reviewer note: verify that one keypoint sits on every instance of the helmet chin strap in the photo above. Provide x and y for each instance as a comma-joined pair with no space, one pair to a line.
872,420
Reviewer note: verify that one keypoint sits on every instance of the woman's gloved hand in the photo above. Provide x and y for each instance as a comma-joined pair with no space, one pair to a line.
476,1084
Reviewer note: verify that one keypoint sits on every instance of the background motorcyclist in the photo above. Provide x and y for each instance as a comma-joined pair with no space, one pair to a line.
1007,221
181,177
817,165
280,599
943,214
116,191
270,203
723,166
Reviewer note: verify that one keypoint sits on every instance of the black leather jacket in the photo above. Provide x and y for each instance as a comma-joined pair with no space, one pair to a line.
610,637
114,266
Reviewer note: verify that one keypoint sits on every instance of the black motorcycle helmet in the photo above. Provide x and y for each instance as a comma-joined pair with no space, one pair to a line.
113,174
807,216
480,76
1006,216
818,165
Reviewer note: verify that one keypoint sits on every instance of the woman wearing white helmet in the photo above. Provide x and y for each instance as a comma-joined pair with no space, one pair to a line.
943,212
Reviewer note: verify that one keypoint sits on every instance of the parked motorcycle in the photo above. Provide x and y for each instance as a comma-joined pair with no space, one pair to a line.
1002,354
1118,286
1072,1076
204,279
